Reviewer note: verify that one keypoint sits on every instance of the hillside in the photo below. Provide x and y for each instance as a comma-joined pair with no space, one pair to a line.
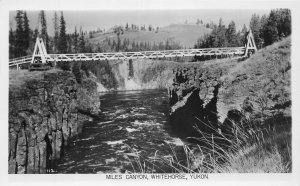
186,35
247,104
264,78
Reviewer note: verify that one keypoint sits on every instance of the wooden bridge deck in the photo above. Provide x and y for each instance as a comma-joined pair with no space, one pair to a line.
230,51
40,54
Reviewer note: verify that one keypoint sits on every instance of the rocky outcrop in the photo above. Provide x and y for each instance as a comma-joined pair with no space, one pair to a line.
45,112
137,74
193,99
219,95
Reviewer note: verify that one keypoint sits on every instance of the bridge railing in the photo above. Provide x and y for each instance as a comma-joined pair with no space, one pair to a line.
40,53
146,54
20,60
133,55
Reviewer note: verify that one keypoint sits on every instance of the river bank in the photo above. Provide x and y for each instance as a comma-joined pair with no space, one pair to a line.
46,110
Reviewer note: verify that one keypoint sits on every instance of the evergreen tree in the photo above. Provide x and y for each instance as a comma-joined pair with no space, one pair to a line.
270,31
44,33
220,35
82,48
263,22
243,36
19,42
231,35
284,26
11,44
69,44
26,33
238,39
56,33
113,46
133,45
98,47
75,41
167,47
118,47
125,45
255,26
276,26
62,47
35,35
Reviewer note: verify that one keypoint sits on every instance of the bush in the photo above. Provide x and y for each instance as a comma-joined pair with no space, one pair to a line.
76,71
84,67
66,66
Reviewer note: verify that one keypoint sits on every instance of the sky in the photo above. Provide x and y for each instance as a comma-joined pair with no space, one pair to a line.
105,19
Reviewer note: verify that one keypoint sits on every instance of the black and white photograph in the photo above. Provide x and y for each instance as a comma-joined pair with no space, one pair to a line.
150,94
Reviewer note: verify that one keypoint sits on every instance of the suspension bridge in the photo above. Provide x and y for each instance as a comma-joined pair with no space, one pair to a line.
40,54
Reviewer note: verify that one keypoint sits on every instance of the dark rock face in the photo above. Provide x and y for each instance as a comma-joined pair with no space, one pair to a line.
193,100
44,114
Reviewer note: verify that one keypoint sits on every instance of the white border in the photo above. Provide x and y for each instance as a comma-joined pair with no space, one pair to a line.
224,179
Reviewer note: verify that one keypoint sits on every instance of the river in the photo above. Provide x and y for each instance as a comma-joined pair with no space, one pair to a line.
133,131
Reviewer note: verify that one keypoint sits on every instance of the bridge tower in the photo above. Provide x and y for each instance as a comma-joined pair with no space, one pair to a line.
250,45
40,52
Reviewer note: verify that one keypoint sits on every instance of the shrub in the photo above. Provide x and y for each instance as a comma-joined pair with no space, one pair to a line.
66,66
84,67
76,71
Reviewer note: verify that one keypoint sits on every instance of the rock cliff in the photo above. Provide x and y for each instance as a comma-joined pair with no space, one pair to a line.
46,109
134,74
214,94
193,98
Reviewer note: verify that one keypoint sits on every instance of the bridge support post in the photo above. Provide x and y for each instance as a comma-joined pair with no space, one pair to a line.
250,45
39,52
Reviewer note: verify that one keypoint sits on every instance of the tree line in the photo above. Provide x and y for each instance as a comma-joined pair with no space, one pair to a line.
222,36
23,38
266,30
127,45
269,29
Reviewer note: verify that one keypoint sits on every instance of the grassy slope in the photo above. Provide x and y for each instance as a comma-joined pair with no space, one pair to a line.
266,75
186,35
18,77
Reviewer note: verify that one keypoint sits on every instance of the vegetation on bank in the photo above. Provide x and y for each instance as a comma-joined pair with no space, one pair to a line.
261,151
266,29
254,139
102,71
